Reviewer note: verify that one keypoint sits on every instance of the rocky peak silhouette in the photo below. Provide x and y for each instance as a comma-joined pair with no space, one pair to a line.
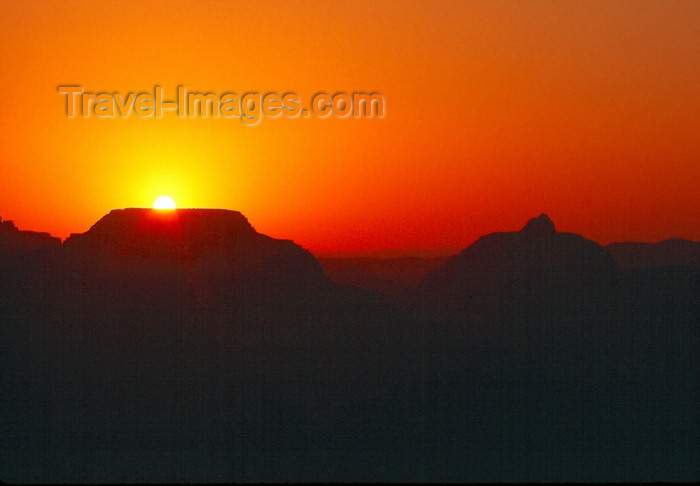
541,225
536,265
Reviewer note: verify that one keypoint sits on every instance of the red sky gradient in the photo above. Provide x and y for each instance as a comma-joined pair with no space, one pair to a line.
496,111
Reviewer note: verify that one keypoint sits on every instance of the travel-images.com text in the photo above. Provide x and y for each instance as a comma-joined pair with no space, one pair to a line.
250,107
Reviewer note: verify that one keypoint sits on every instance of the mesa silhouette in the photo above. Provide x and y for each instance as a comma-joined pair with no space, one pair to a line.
213,242
184,346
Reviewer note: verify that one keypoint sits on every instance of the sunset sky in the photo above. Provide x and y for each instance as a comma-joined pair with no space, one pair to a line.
496,111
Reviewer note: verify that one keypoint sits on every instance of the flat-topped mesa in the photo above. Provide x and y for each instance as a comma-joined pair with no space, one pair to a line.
164,232
212,242
186,223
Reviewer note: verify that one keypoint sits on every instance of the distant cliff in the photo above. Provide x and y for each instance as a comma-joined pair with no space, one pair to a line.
16,242
667,253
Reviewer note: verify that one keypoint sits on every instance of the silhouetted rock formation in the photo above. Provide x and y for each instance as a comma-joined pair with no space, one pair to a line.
28,261
175,235
671,252
186,347
213,241
541,225
536,265
158,338
17,243
214,256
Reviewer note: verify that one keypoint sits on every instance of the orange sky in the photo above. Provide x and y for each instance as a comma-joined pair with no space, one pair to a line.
496,111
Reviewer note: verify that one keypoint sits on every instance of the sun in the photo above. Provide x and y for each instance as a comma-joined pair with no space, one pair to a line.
164,202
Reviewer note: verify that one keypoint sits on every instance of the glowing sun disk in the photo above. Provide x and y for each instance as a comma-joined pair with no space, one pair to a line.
164,202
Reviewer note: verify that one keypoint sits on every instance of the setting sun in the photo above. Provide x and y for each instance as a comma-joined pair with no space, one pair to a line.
164,202
391,241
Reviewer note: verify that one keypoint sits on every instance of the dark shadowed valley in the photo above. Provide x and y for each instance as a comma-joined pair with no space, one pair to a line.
185,346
